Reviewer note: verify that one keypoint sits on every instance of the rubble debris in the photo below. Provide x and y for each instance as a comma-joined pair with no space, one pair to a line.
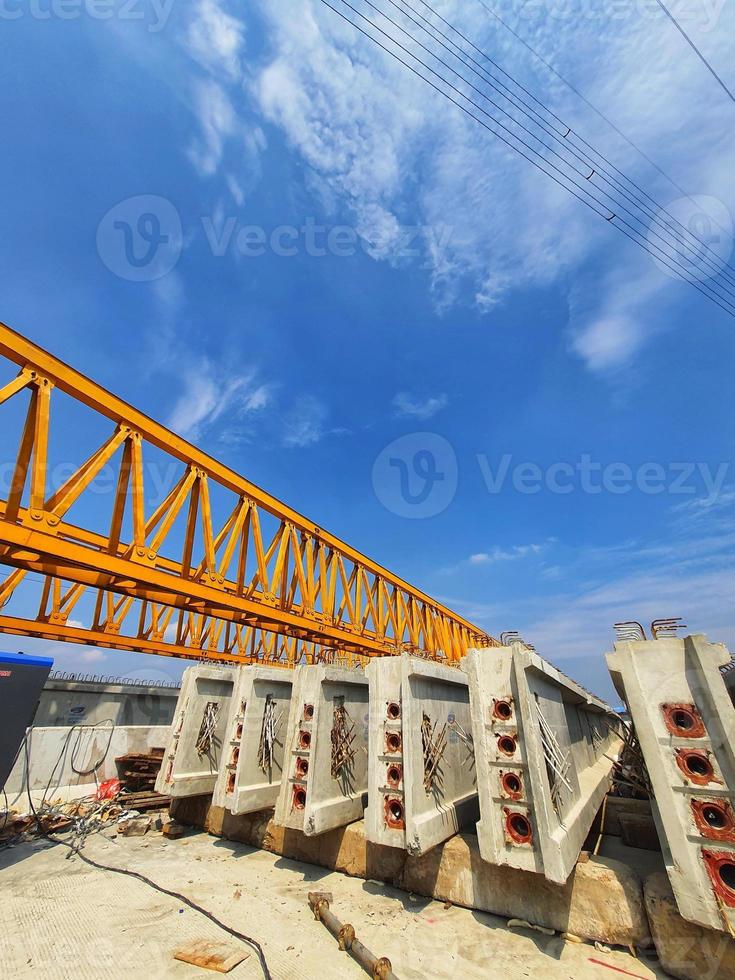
139,770
134,826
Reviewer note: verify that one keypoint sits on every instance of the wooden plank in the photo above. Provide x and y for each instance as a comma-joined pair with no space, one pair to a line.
220,957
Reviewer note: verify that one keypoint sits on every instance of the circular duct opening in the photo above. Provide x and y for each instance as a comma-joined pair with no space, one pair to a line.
698,765
519,827
714,816
299,797
683,719
308,712
304,739
394,710
302,767
512,783
726,874
503,710
393,741
507,744
394,775
394,812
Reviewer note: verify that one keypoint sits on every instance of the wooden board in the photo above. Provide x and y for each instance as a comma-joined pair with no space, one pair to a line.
220,957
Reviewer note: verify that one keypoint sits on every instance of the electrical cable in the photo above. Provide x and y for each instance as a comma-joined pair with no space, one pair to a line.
718,264
572,134
635,236
561,139
248,940
600,113
694,47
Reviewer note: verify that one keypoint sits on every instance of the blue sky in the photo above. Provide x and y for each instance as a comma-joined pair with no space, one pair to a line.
350,261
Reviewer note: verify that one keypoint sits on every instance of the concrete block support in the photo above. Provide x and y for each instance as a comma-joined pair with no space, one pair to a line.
544,751
422,784
326,763
685,722
194,751
250,776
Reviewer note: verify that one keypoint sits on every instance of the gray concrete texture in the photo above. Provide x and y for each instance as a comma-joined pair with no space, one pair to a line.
73,702
326,755
422,781
544,751
249,778
685,722
197,737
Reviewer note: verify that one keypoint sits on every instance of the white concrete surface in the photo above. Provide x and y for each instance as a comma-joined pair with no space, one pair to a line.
533,817
672,679
54,753
63,920
311,799
187,771
402,811
242,785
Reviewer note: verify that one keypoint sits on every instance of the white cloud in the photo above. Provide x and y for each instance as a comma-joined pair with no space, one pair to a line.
303,423
208,394
215,39
507,554
407,406
217,120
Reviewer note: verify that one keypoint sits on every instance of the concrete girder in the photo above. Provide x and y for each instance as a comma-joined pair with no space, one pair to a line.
419,716
201,720
684,719
544,757
252,766
326,743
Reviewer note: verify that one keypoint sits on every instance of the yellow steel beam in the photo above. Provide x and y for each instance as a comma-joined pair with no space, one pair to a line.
306,582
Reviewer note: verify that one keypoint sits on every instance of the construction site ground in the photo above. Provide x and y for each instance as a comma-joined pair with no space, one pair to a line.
62,918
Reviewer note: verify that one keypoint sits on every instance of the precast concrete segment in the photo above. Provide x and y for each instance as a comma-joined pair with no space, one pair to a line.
544,749
326,758
422,772
684,718
201,720
250,774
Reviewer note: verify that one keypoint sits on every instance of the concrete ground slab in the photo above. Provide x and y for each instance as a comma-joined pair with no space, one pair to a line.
250,775
544,751
66,921
326,758
684,719
194,752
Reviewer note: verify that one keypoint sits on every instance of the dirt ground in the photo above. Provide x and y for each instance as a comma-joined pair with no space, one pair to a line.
63,919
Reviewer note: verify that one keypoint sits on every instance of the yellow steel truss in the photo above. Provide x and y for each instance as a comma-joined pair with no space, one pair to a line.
229,590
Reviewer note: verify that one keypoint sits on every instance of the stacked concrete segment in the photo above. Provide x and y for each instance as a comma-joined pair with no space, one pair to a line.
544,749
326,763
422,784
684,719
193,756
250,775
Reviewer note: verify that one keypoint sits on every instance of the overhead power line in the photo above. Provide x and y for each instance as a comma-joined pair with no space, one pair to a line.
694,47
575,182
634,146
656,223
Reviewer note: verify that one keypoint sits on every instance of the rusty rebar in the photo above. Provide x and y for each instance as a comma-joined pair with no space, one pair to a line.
379,967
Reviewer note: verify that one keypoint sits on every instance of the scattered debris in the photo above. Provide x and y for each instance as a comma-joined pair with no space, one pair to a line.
221,957
522,924
174,830
138,770
134,826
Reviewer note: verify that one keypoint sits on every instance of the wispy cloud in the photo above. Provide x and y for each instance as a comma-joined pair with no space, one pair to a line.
303,424
407,406
207,394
